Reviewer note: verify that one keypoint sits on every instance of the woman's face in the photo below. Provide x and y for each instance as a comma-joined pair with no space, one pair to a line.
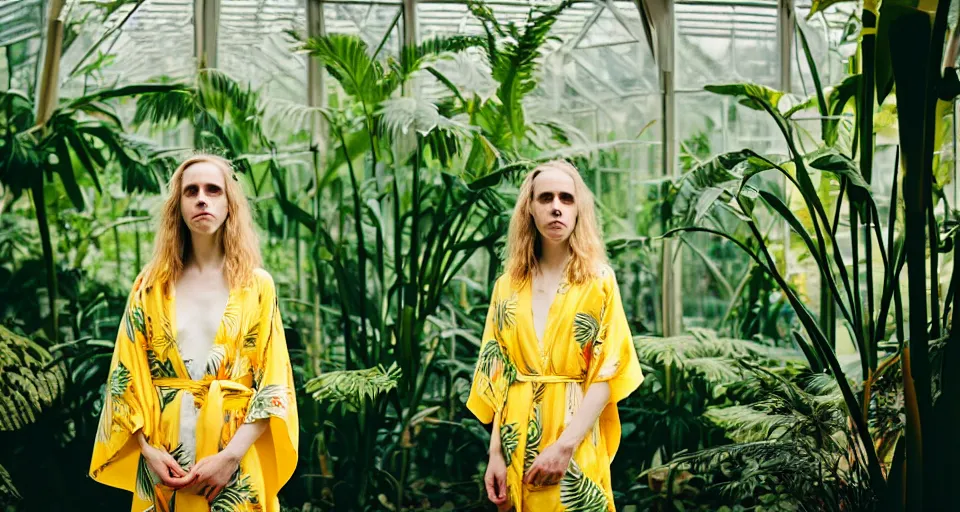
203,198
554,205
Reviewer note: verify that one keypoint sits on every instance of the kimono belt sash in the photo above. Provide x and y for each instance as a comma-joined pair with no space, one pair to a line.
547,379
214,398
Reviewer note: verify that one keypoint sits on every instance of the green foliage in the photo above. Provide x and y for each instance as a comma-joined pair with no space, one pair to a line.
31,379
353,388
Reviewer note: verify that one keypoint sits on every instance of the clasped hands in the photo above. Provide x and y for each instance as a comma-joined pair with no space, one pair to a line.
547,469
207,477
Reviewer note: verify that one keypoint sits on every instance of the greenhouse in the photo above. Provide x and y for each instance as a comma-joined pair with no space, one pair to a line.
554,255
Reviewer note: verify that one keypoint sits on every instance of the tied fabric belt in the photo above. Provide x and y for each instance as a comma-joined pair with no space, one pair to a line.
214,398
547,379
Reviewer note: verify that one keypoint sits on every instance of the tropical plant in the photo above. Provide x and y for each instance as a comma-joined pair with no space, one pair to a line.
33,382
917,461
791,450
514,53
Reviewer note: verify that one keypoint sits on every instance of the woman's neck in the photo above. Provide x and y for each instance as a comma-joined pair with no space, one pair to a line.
553,256
206,252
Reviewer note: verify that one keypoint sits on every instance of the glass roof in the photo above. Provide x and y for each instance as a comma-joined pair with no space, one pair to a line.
598,73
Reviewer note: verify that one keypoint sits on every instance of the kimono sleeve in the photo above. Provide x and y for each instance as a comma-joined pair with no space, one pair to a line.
128,402
615,357
485,396
274,399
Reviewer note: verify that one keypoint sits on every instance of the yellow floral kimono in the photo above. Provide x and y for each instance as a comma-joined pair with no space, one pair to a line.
248,378
531,391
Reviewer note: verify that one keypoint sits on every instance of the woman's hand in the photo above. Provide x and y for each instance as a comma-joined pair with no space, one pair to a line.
550,466
213,474
166,467
495,481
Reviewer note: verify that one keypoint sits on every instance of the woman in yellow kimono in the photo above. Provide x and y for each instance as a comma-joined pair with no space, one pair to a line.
556,355
199,412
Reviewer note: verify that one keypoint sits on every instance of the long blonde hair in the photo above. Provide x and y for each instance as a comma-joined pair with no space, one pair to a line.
587,251
241,247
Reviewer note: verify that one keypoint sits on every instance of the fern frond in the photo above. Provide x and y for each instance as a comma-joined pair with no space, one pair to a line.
745,424
354,387
28,380
8,493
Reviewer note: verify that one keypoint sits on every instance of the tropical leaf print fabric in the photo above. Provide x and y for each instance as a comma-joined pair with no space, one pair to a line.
531,392
247,378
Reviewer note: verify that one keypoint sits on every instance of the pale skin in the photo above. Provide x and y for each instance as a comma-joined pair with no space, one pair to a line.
204,207
554,211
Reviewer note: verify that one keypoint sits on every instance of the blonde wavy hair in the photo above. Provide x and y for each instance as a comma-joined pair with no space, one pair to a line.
241,246
587,251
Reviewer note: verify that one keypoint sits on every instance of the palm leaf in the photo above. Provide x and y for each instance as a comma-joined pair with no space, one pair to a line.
348,60
134,322
505,313
270,400
354,387
514,59
166,108
158,369
231,318
146,481
165,339
29,380
400,116
119,380
250,338
539,390
166,395
414,57
580,494
215,360
509,441
235,496
180,455
585,328
493,363
534,436
744,423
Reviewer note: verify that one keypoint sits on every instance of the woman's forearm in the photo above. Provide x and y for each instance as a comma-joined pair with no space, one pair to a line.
596,399
495,437
246,435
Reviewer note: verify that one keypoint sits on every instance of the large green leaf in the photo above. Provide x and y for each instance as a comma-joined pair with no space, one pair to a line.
749,94
890,12
848,89
347,59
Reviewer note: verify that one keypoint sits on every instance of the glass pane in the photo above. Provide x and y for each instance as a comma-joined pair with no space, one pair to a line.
371,22
720,43
832,37
147,41
253,46
21,24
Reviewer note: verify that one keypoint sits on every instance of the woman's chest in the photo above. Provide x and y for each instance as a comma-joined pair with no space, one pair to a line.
198,317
